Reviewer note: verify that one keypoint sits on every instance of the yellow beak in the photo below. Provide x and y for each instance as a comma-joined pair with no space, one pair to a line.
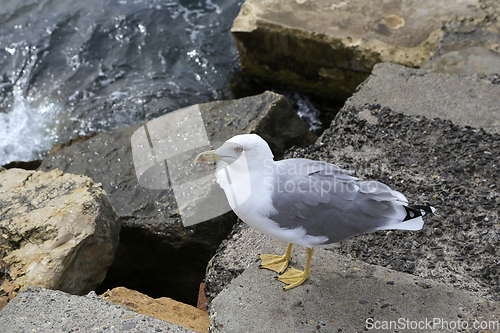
207,156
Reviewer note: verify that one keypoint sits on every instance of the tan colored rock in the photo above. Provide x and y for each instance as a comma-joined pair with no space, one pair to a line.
163,308
57,231
328,47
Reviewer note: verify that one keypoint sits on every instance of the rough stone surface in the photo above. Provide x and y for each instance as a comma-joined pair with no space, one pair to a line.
163,308
467,100
37,309
228,263
469,46
57,230
157,255
492,10
340,296
329,47
472,60
454,168
202,298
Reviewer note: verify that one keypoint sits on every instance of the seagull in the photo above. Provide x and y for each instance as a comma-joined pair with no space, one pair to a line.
304,202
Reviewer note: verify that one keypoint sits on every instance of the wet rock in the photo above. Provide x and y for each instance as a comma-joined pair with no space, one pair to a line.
163,308
57,230
467,100
157,255
328,48
37,309
31,165
269,114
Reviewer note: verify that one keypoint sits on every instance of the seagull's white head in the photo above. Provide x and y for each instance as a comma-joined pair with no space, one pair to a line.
248,149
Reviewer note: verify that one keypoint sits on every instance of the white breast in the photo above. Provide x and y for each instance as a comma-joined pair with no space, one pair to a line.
249,195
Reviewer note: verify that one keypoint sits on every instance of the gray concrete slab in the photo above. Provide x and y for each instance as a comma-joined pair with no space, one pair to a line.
467,100
342,295
37,309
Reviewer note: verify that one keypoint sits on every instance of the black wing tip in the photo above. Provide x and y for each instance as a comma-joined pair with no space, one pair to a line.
414,211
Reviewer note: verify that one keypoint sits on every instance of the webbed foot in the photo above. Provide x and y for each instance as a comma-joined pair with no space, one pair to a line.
293,278
275,262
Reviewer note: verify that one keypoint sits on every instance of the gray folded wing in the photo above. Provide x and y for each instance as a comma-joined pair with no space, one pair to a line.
325,201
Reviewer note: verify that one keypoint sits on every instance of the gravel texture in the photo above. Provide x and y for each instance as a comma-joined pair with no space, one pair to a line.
454,168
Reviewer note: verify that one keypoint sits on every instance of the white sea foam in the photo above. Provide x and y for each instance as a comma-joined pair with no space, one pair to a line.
27,132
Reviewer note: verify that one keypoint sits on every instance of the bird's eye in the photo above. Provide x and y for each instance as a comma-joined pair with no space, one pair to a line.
239,150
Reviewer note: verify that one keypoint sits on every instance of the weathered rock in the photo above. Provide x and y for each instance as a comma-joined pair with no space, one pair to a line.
157,255
228,263
37,309
329,47
163,308
269,115
472,60
467,100
492,10
341,295
469,46
57,230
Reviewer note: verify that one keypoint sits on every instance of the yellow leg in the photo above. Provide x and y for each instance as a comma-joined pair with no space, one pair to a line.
294,277
277,263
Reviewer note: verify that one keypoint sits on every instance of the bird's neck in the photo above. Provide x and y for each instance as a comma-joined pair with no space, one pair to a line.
241,181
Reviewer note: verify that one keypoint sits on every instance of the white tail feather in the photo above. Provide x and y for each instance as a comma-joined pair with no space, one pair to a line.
413,224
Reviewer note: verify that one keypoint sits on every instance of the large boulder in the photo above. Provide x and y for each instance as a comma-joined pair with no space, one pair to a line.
454,168
329,47
57,230
157,254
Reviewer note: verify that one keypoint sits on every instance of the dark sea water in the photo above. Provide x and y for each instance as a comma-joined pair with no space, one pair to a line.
73,67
